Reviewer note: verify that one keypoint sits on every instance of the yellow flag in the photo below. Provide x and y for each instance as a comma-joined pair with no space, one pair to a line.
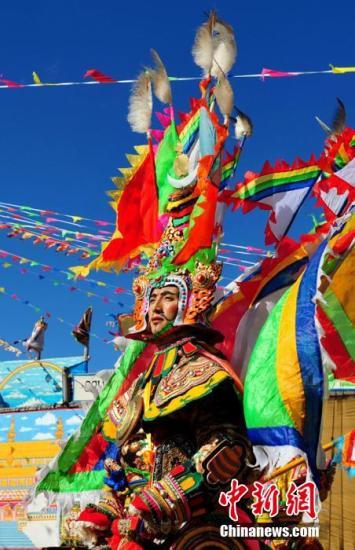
80,271
36,78
76,219
342,70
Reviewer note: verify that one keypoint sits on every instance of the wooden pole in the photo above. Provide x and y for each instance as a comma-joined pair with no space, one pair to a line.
295,462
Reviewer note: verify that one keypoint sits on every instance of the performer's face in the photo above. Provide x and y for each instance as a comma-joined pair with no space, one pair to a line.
163,307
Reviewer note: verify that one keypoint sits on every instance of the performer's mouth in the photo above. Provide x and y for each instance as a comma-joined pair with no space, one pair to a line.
157,319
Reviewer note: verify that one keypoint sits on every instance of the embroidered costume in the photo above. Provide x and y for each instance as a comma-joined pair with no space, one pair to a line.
178,447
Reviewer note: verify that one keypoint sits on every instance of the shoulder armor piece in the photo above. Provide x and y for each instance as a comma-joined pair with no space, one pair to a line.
186,382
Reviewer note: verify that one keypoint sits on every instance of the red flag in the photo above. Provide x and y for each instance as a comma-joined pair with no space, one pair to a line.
10,83
82,330
272,73
98,76
202,220
335,194
137,215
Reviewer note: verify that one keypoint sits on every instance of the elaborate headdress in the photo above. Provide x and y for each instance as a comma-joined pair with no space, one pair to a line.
196,286
167,202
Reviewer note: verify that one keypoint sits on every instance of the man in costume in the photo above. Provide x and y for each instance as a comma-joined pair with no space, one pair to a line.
173,434
181,435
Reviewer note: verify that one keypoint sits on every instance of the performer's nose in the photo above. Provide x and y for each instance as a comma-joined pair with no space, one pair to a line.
157,305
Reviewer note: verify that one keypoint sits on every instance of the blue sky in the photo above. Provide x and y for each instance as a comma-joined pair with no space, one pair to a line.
60,146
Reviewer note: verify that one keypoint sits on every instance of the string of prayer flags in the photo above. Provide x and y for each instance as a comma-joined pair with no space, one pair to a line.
44,213
9,347
56,283
99,78
43,312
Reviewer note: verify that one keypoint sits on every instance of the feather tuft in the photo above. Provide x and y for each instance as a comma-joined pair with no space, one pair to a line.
224,48
243,125
214,48
202,50
141,104
339,120
224,95
160,80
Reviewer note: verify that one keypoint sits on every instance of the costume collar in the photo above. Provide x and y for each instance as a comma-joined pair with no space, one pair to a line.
176,333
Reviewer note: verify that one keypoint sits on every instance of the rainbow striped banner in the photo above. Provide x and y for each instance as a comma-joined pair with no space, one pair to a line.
189,131
282,189
230,165
264,185
284,382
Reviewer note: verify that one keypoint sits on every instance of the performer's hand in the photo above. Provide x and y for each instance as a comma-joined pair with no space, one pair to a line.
133,511
222,461
88,526
82,531
133,528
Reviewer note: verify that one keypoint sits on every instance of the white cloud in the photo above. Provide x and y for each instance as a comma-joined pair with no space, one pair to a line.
46,420
74,421
6,429
24,417
15,395
32,402
41,436
42,392
24,429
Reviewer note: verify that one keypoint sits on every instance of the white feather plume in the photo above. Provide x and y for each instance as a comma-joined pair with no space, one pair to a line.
224,48
214,47
224,94
243,125
160,79
202,49
141,104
